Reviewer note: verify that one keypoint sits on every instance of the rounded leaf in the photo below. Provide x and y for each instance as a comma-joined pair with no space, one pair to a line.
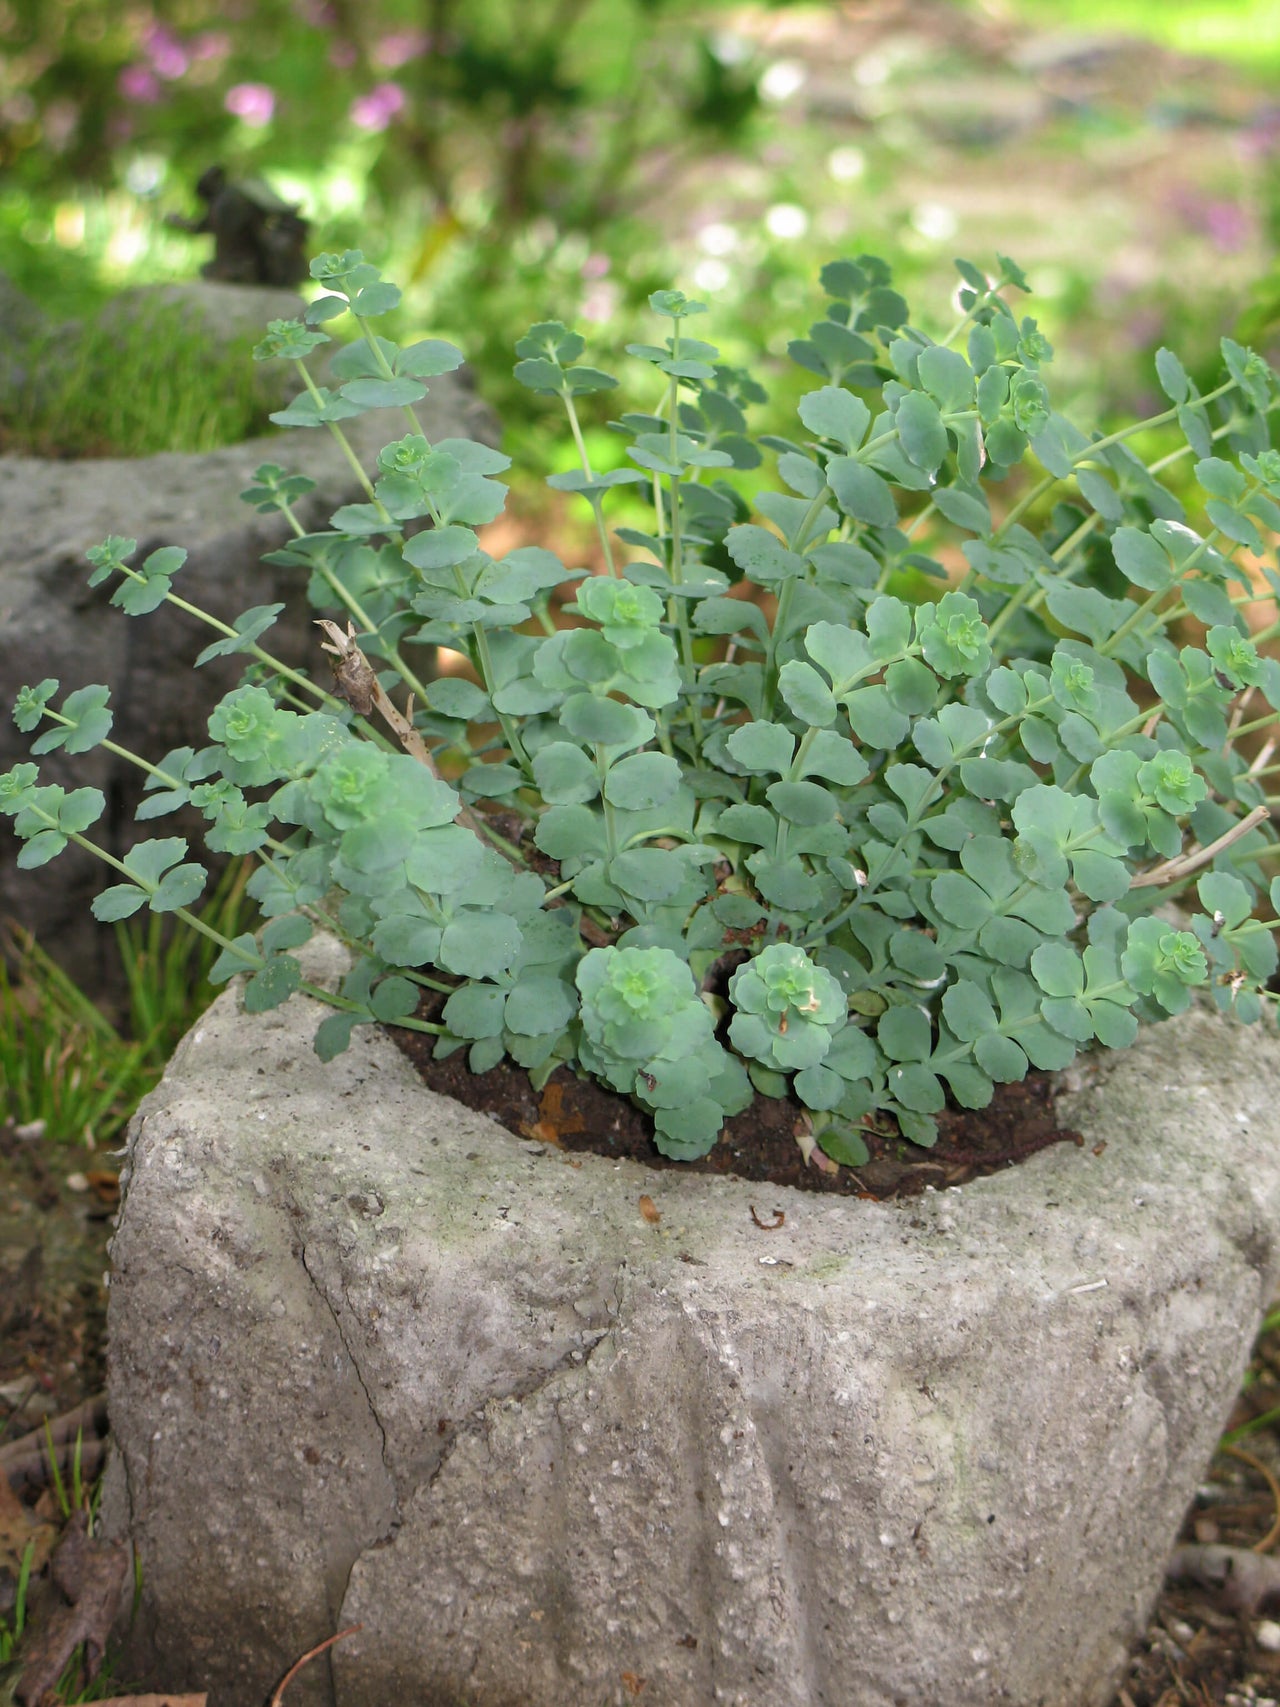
642,781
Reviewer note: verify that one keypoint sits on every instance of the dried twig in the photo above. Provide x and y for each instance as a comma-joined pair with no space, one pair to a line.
297,1665
1169,870
1268,1475
26,1459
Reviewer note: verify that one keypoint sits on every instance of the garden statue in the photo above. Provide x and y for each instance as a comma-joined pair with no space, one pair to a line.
258,238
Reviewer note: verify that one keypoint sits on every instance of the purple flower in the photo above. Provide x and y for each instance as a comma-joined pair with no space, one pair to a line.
211,44
399,48
166,53
376,110
138,83
252,102
1227,225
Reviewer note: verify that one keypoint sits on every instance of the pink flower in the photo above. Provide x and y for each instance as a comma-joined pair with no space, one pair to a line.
343,55
376,110
399,48
138,83
211,44
168,58
252,102
595,266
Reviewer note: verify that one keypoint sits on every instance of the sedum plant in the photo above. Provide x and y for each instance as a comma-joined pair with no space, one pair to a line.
875,788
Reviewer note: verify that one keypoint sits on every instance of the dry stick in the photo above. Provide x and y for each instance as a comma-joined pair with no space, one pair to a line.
31,1469
1172,869
1273,1534
92,1414
297,1665
25,1462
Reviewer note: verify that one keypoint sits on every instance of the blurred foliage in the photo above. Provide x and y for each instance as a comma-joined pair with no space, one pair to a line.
519,159
440,111
1246,30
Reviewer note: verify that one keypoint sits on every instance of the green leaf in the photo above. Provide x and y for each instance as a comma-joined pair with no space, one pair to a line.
947,377
801,802
274,984
427,358
1058,970
394,999
565,775
762,747
920,429
1172,376
917,1089
333,1035
605,721
967,509
843,1145
248,628
834,413
642,781
480,945
118,902
841,651
905,1034
861,492
762,555
835,757
383,393
684,1134
1141,559
874,719
179,888
806,694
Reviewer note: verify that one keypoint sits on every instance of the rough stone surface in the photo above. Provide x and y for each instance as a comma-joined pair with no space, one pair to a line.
53,624
374,1359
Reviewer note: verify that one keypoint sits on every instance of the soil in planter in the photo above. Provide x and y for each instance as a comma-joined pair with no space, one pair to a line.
760,1143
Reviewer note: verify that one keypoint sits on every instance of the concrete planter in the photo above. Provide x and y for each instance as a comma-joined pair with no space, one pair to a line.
374,1359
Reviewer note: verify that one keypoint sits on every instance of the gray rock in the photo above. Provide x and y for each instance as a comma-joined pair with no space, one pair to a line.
53,624
376,1360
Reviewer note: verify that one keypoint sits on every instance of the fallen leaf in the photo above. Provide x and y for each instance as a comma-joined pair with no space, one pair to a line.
633,1683
552,1121
19,1527
649,1209
91,1574
104,1185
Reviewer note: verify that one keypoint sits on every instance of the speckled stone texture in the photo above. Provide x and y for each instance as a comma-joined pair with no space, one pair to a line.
374,1359
53,624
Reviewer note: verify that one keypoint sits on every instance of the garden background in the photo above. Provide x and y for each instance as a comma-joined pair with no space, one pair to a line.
507,163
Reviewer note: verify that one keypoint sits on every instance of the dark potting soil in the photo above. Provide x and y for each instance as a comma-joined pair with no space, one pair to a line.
760,1143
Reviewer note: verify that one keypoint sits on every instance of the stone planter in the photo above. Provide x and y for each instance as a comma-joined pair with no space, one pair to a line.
374,1359
53,624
